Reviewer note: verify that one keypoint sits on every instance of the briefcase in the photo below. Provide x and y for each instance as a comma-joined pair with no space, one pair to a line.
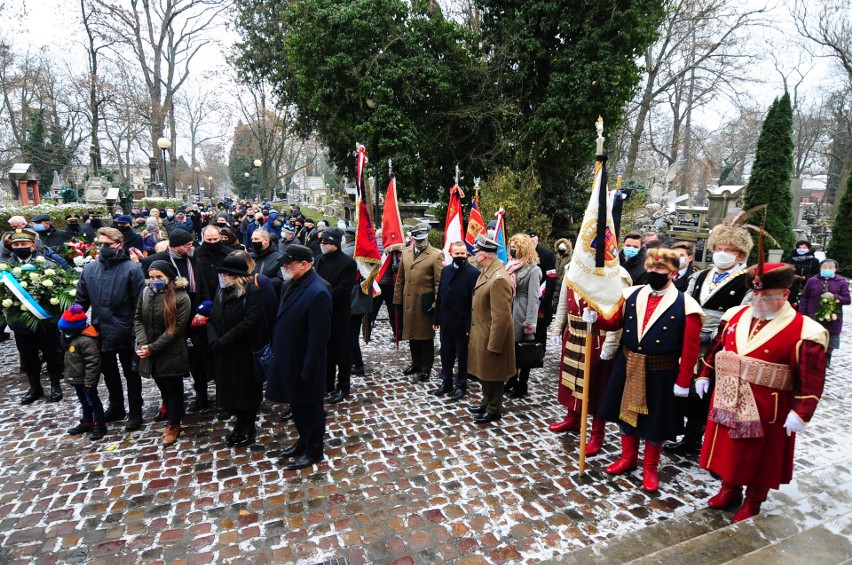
529,354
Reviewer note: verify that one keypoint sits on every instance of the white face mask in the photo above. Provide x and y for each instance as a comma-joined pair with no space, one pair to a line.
802,251
762,310
724,260
224,282
286,274
682,262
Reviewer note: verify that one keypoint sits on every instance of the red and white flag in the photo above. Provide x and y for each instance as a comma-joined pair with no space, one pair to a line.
392,238
367,255
454,226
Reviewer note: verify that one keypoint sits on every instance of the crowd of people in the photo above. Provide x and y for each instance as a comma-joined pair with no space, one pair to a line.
261,303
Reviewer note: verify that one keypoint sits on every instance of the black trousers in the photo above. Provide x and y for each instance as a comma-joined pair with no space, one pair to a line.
171,389
386,298
45,341
310,423
339,362
112,379
422,354
355,335
454,346
246,419
199,367
695,410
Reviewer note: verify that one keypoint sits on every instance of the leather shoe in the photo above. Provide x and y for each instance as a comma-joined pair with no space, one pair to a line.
243,439
486,418
423,377
32,395
303,461
134,422
410,370
457,395
287,416
292,451
55,393
443,389
338,396
224,414
358,370
689,444
478,410
199,406
114,413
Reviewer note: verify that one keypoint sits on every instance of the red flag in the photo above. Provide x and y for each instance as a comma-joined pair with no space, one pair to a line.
475,225
367,255
454,226
392,239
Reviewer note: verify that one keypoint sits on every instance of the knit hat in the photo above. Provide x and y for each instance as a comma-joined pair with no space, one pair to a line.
73,320
124,219
333,235
661,257
179,237
164,267
204,308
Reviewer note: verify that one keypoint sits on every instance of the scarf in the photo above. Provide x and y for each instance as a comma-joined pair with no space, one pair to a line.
190,275
512,267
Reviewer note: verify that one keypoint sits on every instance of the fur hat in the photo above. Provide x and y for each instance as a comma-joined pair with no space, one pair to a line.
73,320
662,257
775,276
734,236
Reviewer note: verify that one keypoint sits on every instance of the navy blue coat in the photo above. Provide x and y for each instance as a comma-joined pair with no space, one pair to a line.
455,296
300,342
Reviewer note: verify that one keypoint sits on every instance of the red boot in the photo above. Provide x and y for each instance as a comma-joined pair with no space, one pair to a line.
650,463
729,495
571,423
598,428
751,506
629,456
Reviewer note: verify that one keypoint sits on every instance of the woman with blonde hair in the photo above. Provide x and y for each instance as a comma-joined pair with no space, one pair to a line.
160,323
526,280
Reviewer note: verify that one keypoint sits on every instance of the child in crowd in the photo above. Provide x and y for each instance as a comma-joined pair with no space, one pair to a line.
83,369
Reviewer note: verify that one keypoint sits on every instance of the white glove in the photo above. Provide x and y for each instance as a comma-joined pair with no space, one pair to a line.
680,391
606,356
590,316
794,424
555,340
702,387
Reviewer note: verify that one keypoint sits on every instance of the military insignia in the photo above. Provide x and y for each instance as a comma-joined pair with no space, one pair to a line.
72,349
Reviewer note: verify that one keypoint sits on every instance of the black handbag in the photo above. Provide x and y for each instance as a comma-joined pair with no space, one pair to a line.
529,354
360,303
262,359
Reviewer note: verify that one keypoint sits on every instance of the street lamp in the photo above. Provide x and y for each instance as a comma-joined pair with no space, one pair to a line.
164,144
209,189
197,184
257,164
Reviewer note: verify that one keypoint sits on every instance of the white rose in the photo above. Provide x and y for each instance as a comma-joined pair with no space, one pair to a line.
24,307
49,272
39,259
79,261
48,283
72,292
54,301
833,317
6,303
4,266
33,276
16,271
24,284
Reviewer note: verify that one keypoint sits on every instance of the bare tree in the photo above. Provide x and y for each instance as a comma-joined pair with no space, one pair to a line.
197,111
95,44
126,124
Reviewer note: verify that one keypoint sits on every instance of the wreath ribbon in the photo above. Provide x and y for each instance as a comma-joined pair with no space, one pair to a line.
25,297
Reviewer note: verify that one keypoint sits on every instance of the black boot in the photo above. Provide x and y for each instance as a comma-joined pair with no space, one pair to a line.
114,412
520,388
510,385
81,428
98,432
446,386
32,395
689,444
457,394
134,421
55,392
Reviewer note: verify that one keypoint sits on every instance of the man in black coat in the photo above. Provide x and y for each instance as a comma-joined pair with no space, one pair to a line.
49,235
452,316
131,238
547,264
340,272
266,255
299,351
632,257
179,256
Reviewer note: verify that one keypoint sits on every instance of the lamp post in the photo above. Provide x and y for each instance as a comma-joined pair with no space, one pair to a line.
197,184
209,187
164,144
248,176
260,187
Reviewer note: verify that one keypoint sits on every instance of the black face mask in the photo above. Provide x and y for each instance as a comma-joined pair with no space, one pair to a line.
214,246
124,229
108,252
257,246
657,280
72,228
513,252
459,261
22,253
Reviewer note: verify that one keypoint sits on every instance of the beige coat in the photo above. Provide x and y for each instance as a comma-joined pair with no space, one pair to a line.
418,276
491,350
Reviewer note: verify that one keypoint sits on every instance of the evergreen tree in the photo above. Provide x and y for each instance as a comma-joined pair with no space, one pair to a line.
770,176
45,148
840,246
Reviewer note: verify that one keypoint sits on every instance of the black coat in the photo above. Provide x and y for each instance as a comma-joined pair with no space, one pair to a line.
112,288
266,263
455,297
635,266
209,258
300,343
547,264
235,330
53,237
133,239
340,272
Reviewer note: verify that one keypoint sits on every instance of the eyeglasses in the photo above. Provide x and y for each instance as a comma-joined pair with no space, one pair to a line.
328,241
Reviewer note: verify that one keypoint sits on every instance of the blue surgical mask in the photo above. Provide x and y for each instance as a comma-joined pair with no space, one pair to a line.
804,251
159,285
170,214
39,227
631,252
826,273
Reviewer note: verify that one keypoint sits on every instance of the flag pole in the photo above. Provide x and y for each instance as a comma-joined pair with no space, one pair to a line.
587,356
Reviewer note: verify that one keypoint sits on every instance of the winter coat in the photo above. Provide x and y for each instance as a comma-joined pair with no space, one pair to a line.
455,296
201,292
297,373
169,356
208,259
266,263
54,237
82,357
547,264
562,261
812,294
525,301
491,350
340,272
112,288
235,330
135,240
634,266
418,279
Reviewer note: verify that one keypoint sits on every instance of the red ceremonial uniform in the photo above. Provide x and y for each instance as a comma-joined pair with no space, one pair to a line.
791,340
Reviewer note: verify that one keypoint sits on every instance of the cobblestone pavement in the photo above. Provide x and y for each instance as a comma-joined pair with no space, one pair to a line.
407,478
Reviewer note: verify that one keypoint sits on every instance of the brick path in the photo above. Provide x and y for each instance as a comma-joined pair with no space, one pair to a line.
408,478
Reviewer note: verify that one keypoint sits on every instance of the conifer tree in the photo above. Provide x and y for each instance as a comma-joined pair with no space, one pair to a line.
770,176
840,246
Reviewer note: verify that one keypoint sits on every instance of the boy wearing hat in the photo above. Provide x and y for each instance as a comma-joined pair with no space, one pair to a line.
417,282
83,370
660,328
768,362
